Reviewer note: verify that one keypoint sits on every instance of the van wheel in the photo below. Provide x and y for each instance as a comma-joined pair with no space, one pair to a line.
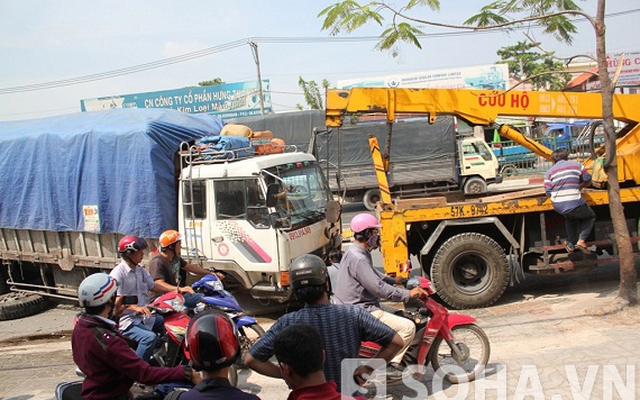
370,198
475,185
470,270
21,304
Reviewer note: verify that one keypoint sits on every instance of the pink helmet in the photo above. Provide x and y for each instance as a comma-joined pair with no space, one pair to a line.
364,221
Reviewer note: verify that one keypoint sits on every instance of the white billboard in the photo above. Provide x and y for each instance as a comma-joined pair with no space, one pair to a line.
629,73
491,77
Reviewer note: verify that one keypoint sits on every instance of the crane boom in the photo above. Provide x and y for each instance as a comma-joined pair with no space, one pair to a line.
483,107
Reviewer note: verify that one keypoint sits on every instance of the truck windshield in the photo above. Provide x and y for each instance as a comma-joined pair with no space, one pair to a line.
307,192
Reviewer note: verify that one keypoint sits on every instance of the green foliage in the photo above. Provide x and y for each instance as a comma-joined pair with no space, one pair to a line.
349,15
216,81
524,62
312,94
553,15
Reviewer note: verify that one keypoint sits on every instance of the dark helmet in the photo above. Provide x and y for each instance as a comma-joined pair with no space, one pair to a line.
307,270
212,341
130,244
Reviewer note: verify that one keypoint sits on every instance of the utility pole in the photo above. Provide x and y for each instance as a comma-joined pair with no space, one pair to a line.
256,58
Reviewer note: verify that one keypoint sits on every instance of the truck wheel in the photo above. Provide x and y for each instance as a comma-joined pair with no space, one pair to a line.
475,185
470,270
4,288
21,304
370,198
509,170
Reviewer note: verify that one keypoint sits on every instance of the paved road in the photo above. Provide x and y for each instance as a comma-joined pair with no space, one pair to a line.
542,335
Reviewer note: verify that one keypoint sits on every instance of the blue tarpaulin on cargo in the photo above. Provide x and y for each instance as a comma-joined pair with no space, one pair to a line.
119,162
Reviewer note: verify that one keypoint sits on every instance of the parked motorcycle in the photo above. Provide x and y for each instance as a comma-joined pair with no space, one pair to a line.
215,296
453,343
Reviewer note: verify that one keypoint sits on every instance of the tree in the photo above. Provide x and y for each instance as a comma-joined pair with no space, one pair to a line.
553,15
312,94
215,81
525,63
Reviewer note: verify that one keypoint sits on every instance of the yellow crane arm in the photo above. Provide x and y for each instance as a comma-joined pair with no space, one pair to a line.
480,107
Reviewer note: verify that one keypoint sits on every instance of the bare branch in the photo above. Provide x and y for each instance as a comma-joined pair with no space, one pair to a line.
570,60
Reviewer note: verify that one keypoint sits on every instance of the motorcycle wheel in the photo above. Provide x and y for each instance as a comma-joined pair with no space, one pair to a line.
248,335
233,375
474,345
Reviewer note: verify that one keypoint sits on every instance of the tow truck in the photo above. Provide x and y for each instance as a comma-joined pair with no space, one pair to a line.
473,247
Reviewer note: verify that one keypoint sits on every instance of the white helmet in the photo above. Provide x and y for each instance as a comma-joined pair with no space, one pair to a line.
96,290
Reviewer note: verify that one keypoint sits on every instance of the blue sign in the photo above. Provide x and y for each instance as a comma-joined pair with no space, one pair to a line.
229,100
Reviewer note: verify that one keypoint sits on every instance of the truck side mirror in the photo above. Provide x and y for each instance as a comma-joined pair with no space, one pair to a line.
332,211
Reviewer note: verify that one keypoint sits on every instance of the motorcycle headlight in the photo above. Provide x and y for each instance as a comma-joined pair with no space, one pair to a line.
215,285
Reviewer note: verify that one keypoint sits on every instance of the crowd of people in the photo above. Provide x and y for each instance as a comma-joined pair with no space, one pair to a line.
309,344
342,309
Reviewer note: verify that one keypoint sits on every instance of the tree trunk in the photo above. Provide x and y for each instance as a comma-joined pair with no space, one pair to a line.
628,276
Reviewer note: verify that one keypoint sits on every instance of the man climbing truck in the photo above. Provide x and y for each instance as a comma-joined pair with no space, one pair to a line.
471,248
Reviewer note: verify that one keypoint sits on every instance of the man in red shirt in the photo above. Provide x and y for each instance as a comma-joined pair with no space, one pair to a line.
103,355
300,355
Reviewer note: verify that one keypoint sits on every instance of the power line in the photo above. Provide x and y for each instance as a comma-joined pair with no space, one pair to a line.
123,71
232,45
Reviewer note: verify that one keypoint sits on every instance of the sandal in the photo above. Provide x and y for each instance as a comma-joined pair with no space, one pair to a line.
568,246
583,249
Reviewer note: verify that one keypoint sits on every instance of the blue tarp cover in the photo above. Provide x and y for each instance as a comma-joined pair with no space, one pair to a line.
121,161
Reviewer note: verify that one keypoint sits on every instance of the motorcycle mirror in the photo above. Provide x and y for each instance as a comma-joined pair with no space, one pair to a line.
413,283
129,300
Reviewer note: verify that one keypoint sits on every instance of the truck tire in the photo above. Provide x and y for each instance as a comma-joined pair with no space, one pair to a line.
509,170
470,270
370,198
4,288
475,185
16,305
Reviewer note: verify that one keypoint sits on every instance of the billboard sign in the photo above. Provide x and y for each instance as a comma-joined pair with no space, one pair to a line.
490,77
229,100
629,73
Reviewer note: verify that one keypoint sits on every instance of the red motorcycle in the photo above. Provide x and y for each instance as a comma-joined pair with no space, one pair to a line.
453,343
173,351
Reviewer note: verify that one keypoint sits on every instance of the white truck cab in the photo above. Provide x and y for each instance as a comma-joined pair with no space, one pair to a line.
250,217
478,165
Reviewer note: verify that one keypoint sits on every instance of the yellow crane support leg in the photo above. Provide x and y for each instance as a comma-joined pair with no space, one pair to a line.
395,252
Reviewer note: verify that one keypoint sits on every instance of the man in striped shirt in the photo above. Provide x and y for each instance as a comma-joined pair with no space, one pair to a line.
562,183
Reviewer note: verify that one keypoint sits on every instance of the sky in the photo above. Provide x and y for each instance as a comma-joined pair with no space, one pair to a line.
47,41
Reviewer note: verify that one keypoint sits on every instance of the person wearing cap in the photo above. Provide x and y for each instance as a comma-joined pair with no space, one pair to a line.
169,269
342,327
103,355
300,355
136,321
360,284
214,346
